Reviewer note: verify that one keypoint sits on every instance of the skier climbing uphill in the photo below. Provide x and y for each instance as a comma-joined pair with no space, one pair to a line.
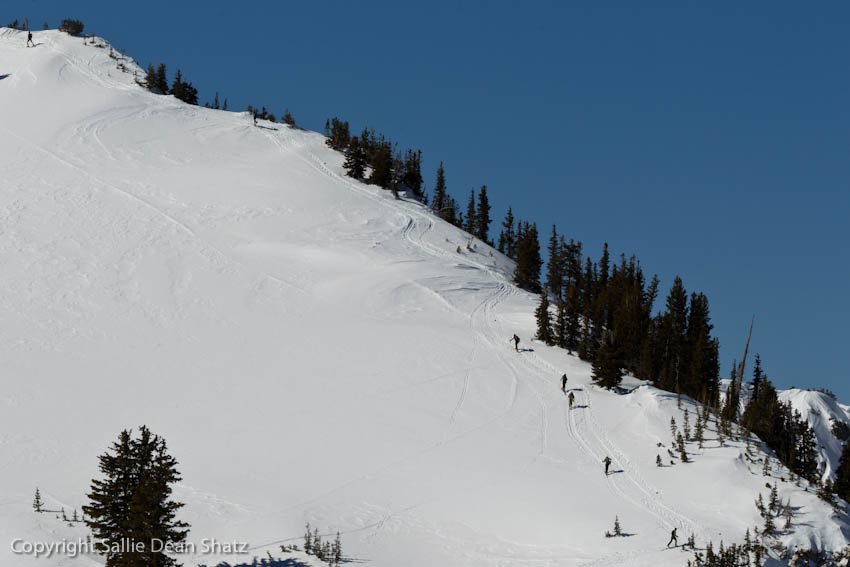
572,399
564,383
29,40
607,461
673,539
515,339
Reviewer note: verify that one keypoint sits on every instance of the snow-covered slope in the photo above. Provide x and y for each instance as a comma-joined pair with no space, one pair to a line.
822,412
312,349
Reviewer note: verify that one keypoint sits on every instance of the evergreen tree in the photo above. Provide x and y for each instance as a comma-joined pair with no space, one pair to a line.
757,378
151,78
507,238
606,369
340,136
528,261
161,79
441,204
37,503
733,397
555,268
544,323
355,161
700,431
769,525
842,474
288,119
382,163
412,176
469,224
680,445
133,500
673,328
481,225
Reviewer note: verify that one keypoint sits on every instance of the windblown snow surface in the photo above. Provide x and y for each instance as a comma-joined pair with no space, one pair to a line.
312,349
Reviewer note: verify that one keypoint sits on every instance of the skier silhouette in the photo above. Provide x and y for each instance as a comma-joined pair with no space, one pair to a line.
572,398
673,538
564,383
607,461
29,39
515,339
254,114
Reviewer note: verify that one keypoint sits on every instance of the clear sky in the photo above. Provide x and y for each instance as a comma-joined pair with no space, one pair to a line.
711,139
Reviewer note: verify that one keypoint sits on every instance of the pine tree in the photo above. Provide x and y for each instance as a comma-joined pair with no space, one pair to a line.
842,474
412,176
288,119
617,530
37,503
355,161
789,516
507,238
773,501
555,268
161,79
151,78
760,505
673,429
766,468
680,443
337,550
544,323
481,225
700,431
769,525
443,205
308,541
528,261
686,427
133,501
340,136
469,224
607,368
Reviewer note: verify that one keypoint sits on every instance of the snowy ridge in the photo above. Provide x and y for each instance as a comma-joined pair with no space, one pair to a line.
312,349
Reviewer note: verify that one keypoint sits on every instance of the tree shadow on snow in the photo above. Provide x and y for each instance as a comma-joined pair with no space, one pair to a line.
4,76
267,128
580,407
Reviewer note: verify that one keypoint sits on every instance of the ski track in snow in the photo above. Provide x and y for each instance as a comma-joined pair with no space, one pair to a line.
591,440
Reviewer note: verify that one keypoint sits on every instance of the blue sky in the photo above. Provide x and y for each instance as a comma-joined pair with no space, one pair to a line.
709,139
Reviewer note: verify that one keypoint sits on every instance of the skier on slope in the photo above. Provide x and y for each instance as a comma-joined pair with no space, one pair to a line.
673,539
254,114
515,339
572,399
29,39
564,383
607,461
